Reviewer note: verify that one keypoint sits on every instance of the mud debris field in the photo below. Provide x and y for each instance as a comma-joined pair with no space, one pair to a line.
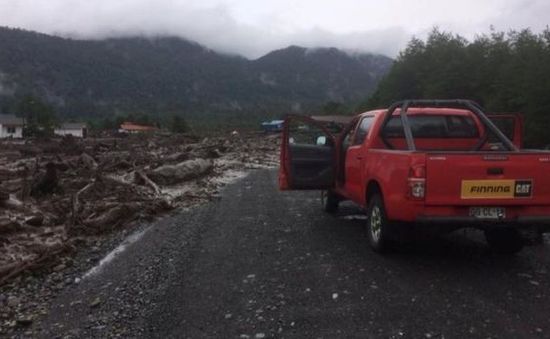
59,195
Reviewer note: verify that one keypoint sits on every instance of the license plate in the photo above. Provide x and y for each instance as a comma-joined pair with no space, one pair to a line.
491,213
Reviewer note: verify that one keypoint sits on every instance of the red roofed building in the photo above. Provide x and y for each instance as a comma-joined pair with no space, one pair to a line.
130,127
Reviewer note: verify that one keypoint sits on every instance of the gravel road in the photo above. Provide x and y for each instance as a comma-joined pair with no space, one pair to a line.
260,264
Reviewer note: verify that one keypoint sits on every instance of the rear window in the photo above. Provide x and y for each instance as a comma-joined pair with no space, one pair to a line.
433,126
505,125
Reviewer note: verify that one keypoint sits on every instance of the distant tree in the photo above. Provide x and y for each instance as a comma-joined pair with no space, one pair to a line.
503,72
334,108
107,123
178,124
40,118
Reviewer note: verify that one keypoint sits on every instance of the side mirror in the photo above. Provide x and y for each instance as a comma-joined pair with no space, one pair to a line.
291,140
321,141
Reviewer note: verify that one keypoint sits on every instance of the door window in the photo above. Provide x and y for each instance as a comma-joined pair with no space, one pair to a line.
309,155
302,133
363,130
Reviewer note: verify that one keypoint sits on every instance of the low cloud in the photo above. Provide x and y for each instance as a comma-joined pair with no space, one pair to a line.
250,29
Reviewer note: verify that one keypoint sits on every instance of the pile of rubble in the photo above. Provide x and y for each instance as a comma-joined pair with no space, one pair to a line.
56,193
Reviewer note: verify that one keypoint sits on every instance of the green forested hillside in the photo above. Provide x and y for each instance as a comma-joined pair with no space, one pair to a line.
169,76
503,72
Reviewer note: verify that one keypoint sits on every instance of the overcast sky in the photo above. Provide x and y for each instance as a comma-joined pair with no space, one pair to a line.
255,27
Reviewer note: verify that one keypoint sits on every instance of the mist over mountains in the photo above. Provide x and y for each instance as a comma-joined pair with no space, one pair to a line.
166,75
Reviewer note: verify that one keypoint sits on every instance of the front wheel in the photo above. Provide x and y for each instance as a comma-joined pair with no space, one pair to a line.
377,224
504,240
330,201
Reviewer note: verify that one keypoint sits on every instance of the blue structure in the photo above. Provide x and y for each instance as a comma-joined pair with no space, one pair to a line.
272,126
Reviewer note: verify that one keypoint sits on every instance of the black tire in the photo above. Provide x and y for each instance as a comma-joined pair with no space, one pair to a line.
504,240
331,202
377,224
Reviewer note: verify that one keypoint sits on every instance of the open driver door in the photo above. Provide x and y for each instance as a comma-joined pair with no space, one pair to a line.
308,155
511,124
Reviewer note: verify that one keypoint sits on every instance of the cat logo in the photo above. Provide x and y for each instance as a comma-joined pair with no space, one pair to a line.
496,189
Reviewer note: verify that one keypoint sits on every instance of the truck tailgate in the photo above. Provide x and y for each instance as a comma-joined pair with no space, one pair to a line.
488,179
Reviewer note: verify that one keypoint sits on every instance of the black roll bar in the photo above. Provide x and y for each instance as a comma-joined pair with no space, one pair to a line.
455,103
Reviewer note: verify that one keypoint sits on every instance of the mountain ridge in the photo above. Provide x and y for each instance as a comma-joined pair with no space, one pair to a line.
162,75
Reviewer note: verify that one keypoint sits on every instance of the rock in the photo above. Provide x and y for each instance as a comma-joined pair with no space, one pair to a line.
13,301
8,225
24,321
59,267
95,303
187,170
36,220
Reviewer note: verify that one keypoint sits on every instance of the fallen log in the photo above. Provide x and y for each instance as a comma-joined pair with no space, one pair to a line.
12,270
140,177
182,156
112,218
76,205
88,161
184,171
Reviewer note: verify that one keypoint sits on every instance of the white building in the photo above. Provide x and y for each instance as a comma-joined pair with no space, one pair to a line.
11,126
76,129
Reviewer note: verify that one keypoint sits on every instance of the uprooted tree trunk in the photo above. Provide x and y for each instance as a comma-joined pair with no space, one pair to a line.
112,218
47,183
76,204
187,170
141,178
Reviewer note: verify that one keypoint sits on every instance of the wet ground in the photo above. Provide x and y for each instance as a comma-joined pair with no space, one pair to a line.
259,263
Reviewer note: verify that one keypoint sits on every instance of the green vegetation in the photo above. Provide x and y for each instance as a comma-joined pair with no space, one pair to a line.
40,118
503,72
178,125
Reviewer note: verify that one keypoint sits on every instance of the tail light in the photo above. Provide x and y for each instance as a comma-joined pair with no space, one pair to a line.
417,182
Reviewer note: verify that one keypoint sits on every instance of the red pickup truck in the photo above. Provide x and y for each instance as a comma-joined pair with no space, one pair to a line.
438,165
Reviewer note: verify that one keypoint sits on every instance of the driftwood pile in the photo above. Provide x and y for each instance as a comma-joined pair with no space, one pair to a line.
55,192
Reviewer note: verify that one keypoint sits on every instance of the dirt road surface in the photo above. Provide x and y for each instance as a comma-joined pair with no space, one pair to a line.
259,263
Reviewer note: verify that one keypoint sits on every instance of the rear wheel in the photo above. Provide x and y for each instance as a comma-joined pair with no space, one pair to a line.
330,201
504,240
377,224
